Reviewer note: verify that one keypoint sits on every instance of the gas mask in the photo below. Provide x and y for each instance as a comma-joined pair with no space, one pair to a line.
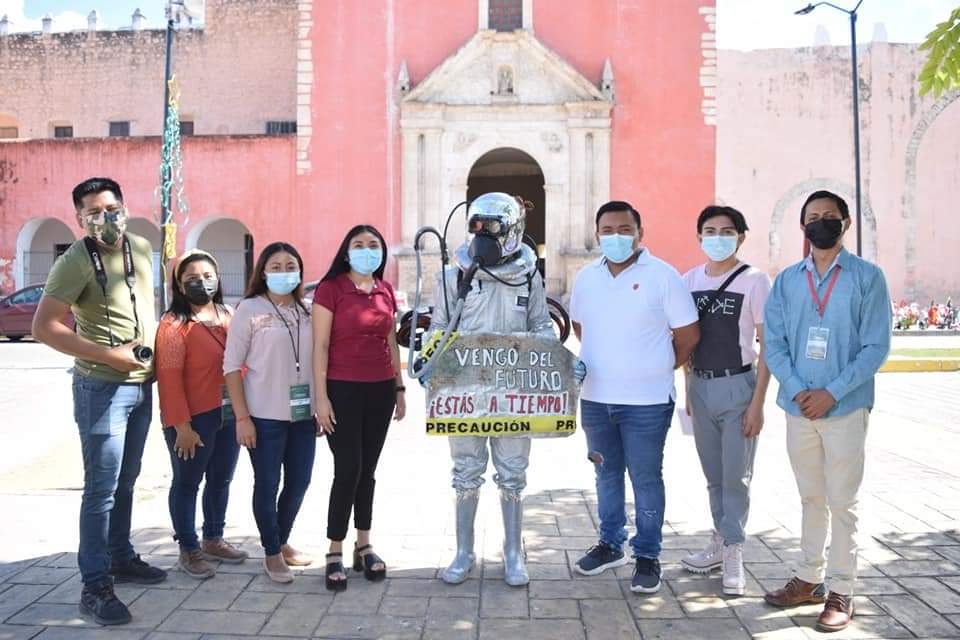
106,226
496,221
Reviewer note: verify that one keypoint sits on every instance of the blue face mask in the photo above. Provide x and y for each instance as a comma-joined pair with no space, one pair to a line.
719,248
365,260
617,248
283,283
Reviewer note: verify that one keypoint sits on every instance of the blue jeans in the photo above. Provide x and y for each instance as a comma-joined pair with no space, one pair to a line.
217,460
113,419
628,438
290,446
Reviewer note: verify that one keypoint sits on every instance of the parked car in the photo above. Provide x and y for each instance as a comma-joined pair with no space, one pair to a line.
16,312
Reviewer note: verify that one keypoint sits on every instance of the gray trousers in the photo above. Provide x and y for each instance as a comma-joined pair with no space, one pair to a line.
510,458
718,407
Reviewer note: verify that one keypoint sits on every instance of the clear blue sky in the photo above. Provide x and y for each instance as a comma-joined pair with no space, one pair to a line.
742,24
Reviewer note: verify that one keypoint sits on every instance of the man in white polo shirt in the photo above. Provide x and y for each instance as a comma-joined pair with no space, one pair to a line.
637,323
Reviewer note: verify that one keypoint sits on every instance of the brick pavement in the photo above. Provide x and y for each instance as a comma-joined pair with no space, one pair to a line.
910,567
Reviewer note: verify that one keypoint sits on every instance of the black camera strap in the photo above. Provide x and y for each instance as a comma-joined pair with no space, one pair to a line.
129,275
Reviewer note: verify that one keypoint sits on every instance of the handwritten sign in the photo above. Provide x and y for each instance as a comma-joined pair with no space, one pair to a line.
502,385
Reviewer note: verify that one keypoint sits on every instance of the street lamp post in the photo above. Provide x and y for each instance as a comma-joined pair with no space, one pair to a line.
852,13
165,181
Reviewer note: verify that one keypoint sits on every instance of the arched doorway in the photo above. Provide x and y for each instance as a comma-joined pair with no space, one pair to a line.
230,242
39,243
147,229
515,172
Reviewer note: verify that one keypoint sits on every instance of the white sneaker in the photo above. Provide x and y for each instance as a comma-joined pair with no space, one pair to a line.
705,561
734,580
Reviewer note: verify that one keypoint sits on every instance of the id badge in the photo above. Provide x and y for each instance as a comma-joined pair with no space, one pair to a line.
817,338
300,402
226,406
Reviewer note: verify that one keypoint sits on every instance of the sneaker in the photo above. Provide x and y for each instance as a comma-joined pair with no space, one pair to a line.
706,560
646,576
220,549
137,571
599,558
195,565
100,603
734,580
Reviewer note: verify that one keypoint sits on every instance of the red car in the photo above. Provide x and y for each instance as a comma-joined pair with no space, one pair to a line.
16,312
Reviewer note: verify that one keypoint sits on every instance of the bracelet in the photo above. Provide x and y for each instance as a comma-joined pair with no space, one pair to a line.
400,388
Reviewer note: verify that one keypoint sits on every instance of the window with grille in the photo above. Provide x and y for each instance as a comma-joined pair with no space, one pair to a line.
9,132
120,129
505,15
186,127
63,132
280,127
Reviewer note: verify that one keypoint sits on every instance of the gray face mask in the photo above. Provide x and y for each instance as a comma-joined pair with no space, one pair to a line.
106,227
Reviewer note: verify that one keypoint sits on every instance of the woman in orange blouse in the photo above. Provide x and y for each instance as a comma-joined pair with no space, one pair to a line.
199,426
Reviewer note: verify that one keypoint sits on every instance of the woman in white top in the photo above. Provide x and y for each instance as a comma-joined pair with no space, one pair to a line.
268,368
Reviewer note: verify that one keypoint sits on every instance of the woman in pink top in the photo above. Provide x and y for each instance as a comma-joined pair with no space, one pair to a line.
270,338
359,387
199,432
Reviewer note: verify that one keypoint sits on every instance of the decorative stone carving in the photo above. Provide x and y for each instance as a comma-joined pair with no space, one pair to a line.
607,82
403,79
505,81
463,141
553,141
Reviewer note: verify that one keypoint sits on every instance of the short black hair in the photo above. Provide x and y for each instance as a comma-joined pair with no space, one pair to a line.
714,210
618,205
819,195
95,185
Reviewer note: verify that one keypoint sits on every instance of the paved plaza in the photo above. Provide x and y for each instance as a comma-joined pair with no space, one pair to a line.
910,508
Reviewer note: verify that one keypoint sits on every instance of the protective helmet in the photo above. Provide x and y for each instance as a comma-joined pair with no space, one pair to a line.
499,216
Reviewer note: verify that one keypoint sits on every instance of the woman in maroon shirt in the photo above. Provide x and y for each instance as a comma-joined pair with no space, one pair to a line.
356,368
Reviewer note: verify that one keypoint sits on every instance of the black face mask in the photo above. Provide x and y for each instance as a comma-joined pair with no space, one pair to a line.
823,233
485,249
200,292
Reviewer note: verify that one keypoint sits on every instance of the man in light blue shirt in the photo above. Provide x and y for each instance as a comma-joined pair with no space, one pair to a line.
827,327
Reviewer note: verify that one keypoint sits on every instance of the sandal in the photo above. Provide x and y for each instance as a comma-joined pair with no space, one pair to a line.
365,562
335,565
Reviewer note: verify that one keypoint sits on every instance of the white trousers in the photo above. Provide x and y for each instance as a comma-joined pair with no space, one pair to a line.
827,456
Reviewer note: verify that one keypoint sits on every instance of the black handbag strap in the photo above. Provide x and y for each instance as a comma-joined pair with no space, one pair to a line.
129,275
721,289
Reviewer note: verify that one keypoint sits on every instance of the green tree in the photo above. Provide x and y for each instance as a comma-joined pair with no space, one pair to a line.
942,71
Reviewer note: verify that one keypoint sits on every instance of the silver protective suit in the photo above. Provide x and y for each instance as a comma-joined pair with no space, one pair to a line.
516,303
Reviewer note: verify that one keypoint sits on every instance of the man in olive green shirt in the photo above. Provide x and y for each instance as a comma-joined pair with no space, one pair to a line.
106,280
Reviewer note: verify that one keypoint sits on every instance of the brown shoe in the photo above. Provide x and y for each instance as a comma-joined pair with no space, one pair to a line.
796,592
837,613
194,565
220,549
294,558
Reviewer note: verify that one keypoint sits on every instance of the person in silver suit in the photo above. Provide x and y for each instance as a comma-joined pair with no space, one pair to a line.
506,296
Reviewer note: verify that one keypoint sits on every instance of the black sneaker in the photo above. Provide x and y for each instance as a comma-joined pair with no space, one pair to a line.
646,576
599,558
137,571
100,603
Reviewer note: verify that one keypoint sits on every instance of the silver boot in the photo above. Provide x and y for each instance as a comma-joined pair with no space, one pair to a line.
463,562
514,570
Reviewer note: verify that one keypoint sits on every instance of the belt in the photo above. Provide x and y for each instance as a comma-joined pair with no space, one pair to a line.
708,374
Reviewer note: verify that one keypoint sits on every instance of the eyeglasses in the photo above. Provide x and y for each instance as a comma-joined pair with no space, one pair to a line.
101,216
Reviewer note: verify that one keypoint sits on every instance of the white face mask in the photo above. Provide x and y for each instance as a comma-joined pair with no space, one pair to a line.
719,248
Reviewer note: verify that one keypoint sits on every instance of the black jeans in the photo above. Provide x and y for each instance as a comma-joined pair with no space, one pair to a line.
363,411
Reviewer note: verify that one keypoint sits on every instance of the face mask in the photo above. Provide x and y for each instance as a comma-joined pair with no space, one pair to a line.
108,228
200,292
719,248
617,248
283,283
485,249
365,261
824,233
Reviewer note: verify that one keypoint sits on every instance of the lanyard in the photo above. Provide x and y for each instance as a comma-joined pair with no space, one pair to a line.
821,305
295,346
210,332
129,275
